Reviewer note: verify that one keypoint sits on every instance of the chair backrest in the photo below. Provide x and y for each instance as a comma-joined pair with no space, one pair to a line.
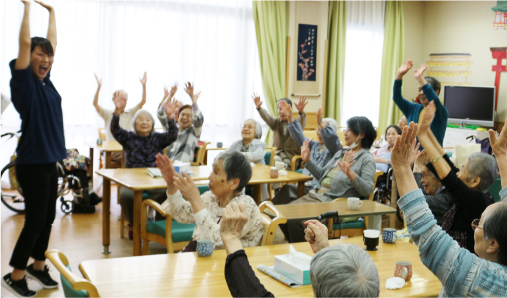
199,159
73,285
341,135
102,133
269,156
311,134
375,178
269,224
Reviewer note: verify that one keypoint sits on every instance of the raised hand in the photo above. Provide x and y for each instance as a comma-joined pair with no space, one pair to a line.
421,159
99,81
197,95
234,218
427,118
174,88
499,145
166,168
301,104
346,162
285,107
415,151
257,100
404,147
319,118
169,108
187,187
46,6
420,71
305,151
404,68
166,92
27,2
144,79
118,103
316,235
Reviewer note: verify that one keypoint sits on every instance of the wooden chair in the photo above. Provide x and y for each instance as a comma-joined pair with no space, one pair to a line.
72,284
354,228
199,159
269,224
311,134
169,233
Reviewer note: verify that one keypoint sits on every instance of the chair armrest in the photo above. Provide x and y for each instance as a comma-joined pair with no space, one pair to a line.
293,162
279,217
155,206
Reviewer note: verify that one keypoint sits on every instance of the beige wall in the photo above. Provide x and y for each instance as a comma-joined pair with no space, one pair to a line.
456,27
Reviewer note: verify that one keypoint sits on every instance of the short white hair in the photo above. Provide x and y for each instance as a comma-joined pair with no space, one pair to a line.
258,128
344,270
331,122
133,123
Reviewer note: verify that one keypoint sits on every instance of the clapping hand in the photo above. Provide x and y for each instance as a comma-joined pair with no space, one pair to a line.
301,104
144,79
99,81
305,151
346,162
427,118
415,151
166,168
187,187
257,100
234,218
316,235
499,145
421,159
404,147
404,68
420,71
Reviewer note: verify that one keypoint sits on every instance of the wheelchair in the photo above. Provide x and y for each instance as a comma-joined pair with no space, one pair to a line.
75,181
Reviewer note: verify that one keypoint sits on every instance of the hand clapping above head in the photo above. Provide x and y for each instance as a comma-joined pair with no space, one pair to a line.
404,147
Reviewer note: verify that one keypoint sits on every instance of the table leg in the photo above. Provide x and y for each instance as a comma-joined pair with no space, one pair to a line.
301,189
106,204
107,164
257,193
138,199
374,222
90,170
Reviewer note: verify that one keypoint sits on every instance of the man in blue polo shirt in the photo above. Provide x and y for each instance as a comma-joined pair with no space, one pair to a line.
429,89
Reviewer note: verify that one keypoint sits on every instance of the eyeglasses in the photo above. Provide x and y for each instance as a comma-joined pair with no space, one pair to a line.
475,224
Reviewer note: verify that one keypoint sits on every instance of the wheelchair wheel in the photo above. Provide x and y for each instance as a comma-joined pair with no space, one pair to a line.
12,198
67,206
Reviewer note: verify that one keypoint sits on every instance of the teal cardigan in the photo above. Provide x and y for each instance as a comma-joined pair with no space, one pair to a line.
461,273
412,110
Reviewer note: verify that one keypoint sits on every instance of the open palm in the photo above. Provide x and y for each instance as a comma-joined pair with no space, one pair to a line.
301,104
427,118
405,67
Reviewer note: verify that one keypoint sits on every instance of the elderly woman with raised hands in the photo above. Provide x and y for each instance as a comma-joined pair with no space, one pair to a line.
461,272
468,188
321,152
343,270
383,154
439,199
141,146
348,174
252,148
231,173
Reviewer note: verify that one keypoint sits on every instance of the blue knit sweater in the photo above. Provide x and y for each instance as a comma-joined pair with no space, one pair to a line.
462,273
412,110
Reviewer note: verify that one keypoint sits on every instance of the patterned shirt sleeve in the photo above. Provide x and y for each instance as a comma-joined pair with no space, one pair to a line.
178,208
198,120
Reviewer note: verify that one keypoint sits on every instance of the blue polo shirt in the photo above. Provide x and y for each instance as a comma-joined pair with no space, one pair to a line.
40,108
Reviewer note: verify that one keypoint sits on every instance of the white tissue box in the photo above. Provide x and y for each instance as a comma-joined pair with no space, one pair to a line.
295,271
180,166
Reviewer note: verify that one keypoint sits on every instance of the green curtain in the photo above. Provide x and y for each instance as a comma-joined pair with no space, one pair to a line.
337,27
392,57
272,29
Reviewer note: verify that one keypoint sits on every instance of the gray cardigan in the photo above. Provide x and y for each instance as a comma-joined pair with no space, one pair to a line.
255,152
341,187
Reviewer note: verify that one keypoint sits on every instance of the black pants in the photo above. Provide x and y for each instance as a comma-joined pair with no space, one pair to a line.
39,183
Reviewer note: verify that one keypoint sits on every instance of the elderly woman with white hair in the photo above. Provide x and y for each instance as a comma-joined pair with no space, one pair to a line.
141,146
252,148
343,270
321,152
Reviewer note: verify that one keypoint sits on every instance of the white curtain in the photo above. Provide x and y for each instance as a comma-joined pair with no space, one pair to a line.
210,43
363,60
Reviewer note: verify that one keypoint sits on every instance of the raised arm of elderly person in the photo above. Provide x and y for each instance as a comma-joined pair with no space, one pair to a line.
499,146
328,134
239,275
461,272
168,96
198,118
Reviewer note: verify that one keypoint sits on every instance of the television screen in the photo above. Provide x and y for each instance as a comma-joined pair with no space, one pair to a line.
470,103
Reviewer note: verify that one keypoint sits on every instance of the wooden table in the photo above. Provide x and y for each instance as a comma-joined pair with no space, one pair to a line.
139,180
186,275
373,211
108,147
